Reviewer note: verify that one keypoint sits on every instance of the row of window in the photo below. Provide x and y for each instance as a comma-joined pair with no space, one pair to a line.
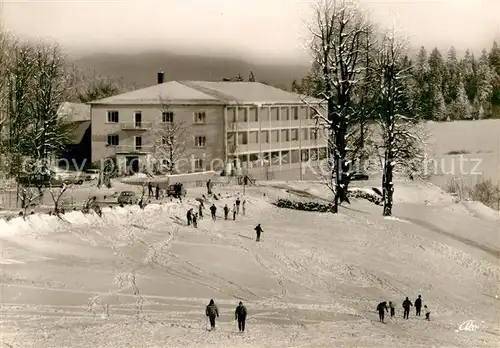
273,114
280,135
198,163
281,157
276,114
114,140
166,117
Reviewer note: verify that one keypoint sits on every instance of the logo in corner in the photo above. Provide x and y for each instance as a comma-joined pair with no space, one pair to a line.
469,325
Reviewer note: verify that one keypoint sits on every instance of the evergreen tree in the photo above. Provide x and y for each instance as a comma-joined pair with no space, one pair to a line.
460,108
423,88
452,76
435,80
468,69
296,88
251,77
436,65
494,58
438,105
485,85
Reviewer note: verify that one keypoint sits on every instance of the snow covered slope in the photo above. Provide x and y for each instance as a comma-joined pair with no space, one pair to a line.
314,280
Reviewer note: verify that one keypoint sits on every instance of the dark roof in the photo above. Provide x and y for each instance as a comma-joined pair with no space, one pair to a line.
77,131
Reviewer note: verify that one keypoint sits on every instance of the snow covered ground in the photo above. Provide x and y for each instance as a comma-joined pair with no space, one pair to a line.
143,278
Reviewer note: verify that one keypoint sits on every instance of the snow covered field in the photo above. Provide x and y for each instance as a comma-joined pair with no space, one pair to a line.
473,146
314,280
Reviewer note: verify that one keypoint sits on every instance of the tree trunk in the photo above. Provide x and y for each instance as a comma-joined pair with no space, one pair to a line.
388,185
342,167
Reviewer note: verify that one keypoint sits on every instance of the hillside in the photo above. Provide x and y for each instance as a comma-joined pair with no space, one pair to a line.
314,280
140,69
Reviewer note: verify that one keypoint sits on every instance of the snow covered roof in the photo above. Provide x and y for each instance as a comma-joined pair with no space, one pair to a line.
74,112
172,92
205,92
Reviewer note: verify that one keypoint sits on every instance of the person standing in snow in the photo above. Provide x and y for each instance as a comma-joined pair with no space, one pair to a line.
380,308
213,210
189,216
243,206
226,211
195,220
209,187
211,312
392,308
406,305
240,314
238,202
157,191
150,189
427,313
235,210
200,210
418,305
258,231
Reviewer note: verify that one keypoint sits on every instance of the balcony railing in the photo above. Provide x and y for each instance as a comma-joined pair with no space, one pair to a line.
134,149
136,126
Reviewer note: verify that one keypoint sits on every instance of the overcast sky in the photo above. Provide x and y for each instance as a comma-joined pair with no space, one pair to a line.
254,29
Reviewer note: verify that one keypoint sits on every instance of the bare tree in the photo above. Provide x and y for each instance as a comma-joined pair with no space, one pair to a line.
19,88
337,38
47,133
170,140
98,88
142,201
28,196
400,142
56,198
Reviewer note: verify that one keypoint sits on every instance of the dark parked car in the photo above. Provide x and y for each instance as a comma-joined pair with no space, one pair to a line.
359,176
127,197
171,191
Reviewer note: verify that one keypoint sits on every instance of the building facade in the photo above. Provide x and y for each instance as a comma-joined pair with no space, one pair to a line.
223,125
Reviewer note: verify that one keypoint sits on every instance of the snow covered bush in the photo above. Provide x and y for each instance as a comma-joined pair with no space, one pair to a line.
372,197
304,206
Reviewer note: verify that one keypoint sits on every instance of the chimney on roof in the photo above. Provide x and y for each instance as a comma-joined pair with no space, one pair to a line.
161,76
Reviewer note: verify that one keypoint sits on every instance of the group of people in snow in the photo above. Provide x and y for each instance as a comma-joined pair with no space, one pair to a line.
240,314
192,217
382,308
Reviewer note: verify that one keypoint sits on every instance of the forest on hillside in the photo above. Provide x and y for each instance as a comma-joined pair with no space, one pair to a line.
444,87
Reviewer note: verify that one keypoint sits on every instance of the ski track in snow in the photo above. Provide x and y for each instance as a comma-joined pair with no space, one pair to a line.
324,280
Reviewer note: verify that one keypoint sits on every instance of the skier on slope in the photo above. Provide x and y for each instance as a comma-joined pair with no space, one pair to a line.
213,210
200,210
189,216
258,231
211,312
392,308
406,305
418,305
226,211
240,314
427,313
380,308
195,220
238,205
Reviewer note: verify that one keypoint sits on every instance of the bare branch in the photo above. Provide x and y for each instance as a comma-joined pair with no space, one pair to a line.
171,137
56,197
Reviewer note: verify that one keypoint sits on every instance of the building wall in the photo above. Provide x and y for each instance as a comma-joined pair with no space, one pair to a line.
281,134
212,129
